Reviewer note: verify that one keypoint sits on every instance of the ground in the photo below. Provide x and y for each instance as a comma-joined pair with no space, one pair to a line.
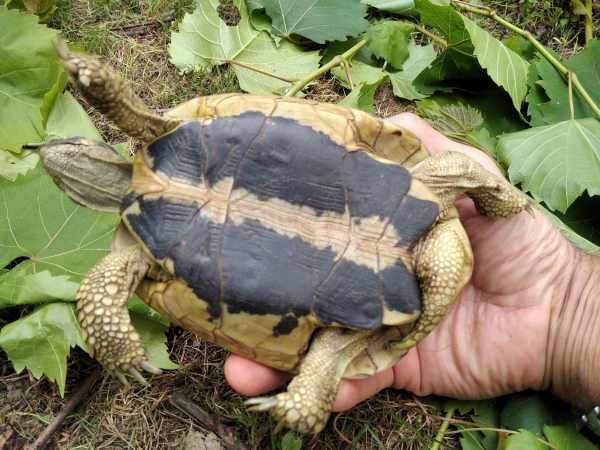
134,36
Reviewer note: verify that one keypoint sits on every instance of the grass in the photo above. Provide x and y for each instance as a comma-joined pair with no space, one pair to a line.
134,36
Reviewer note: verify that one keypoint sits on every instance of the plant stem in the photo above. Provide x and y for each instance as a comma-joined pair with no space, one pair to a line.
256,69
336,61
439,436
571,108
434,37
587,20
565,72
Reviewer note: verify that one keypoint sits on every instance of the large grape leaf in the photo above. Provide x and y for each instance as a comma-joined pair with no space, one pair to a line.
204,41
317,20
39,222
42,340
504,66
28,69
556,163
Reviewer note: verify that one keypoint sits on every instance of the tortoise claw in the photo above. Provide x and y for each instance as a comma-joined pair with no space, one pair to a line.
261,403
150,368
138,376
121,377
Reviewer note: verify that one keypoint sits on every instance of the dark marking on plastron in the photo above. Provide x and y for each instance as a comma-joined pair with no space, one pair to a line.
264,272
349,296
413,218
374,188
160,223
294,163
285,326
179,154
195,257
400,289
226,140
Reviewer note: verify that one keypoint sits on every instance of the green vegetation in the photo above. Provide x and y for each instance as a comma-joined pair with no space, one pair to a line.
519,81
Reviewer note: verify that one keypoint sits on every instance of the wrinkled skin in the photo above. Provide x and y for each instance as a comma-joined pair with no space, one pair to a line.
495,339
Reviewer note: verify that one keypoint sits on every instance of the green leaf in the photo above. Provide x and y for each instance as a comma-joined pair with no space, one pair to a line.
11,166
456,61
291,441
566,437
39,222
402,82
361,73
556,163
420,57
317,20
529,411
67,119
535,97
587,67
42,340
389,40
204,41
393,6
361,97
521,46
504,66
19,287
523,440
29,69
153,336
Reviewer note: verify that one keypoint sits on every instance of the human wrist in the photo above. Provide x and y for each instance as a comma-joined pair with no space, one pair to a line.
574,339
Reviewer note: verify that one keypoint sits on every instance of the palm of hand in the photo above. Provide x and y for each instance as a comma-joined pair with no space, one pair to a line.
495,338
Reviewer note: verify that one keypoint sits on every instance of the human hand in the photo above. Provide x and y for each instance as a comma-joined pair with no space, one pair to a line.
499,336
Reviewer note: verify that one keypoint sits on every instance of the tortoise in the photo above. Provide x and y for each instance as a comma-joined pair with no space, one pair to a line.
310,237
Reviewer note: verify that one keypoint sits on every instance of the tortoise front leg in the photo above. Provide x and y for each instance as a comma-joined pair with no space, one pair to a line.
443,265
102,313
451,174
306,405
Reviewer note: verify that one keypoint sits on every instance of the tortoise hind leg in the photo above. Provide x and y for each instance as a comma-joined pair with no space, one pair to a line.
102,313
306,405
443,265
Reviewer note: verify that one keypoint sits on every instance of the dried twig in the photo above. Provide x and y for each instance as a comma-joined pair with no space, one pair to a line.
79,396
208,421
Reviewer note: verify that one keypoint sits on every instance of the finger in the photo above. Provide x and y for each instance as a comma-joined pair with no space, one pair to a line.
436,142
407,373
251,378
352,392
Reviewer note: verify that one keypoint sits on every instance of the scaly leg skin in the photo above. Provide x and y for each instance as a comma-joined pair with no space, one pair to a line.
443,265
112,95
450,174
102,313
306,405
